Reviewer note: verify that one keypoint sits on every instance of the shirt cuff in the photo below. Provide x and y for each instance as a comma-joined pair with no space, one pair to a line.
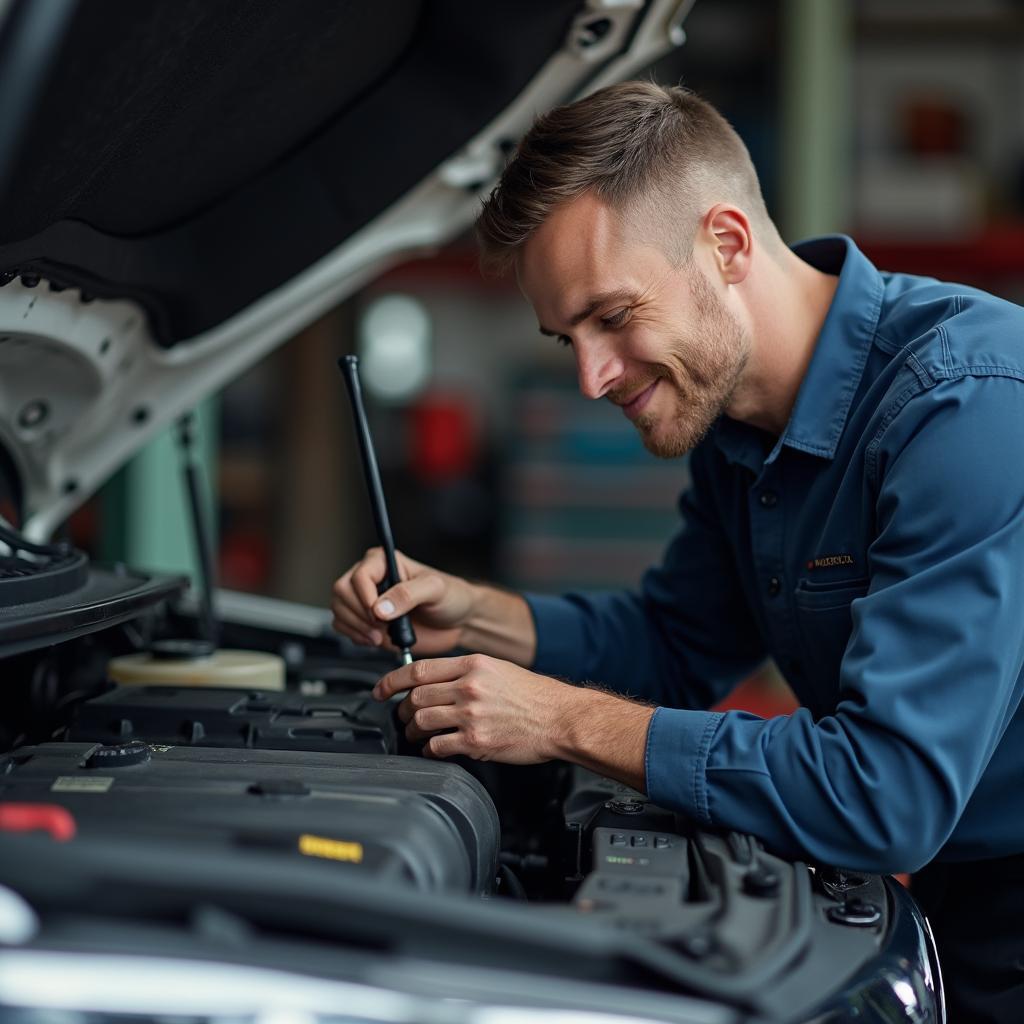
675,761
559,635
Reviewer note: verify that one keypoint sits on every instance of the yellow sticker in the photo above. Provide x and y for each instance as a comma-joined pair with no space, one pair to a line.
331,849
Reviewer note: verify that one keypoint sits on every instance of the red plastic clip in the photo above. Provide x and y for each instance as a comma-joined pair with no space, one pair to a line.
50,818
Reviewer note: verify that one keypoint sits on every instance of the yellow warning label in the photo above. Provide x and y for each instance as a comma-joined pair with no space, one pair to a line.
331,849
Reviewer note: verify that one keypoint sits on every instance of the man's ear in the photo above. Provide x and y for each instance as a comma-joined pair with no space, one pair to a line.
728,230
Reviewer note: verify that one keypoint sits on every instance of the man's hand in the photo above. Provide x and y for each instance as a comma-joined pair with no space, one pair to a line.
446,611
498,711
493,710
440,604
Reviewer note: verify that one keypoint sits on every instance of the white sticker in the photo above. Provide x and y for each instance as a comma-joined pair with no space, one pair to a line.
82,784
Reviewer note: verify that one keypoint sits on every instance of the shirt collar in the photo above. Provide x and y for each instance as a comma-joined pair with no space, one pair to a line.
823,401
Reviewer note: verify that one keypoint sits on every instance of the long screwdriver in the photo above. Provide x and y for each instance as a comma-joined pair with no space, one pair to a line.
400,630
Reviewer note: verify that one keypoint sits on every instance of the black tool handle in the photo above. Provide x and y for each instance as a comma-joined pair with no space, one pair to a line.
400,630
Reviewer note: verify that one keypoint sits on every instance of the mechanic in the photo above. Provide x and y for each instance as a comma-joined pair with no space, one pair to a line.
855,511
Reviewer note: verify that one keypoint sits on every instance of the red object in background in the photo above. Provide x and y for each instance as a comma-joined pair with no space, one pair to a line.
445,442
9,512
760,695
50,818
84,525
934,126
991,257
244,561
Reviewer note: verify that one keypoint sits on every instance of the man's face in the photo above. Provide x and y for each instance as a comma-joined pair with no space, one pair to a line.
652,338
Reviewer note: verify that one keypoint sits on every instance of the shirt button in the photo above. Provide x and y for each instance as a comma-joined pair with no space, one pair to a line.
774,586
769,499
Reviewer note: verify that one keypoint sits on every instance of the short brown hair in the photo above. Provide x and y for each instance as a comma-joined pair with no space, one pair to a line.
631,143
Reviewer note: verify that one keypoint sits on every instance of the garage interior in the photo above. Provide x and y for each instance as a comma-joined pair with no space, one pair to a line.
894,122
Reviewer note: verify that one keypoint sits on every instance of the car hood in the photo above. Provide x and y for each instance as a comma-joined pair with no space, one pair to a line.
184,186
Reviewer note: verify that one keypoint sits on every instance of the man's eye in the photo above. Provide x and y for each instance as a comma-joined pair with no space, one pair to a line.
616,319
565,340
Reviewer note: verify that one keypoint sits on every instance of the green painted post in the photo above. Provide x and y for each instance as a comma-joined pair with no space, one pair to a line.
817,117
146,514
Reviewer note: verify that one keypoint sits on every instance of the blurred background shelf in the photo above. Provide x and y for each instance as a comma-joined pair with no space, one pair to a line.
583,504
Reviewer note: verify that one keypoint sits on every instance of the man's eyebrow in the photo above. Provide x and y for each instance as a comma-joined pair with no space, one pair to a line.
593,303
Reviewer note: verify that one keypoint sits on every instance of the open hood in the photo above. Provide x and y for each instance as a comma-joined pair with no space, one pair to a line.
184,186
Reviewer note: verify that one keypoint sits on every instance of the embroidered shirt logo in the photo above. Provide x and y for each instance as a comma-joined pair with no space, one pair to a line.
828,561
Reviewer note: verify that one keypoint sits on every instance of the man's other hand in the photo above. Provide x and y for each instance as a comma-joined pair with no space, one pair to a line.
493,710
481,707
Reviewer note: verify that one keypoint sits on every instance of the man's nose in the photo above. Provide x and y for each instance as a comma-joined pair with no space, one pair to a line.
598,368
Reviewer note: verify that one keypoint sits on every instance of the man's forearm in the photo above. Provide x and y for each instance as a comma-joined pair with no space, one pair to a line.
500,625
606,734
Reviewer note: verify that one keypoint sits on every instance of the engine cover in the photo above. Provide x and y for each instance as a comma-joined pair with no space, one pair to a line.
429,824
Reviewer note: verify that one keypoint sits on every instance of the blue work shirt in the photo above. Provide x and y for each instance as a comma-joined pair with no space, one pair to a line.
876,551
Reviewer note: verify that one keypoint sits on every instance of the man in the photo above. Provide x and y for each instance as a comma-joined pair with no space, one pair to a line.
856,512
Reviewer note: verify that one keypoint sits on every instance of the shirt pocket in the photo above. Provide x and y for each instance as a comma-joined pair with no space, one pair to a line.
824,622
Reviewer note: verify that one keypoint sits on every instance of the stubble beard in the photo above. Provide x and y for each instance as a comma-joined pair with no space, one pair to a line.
701,373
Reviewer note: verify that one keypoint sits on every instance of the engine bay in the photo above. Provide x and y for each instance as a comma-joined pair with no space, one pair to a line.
133,805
